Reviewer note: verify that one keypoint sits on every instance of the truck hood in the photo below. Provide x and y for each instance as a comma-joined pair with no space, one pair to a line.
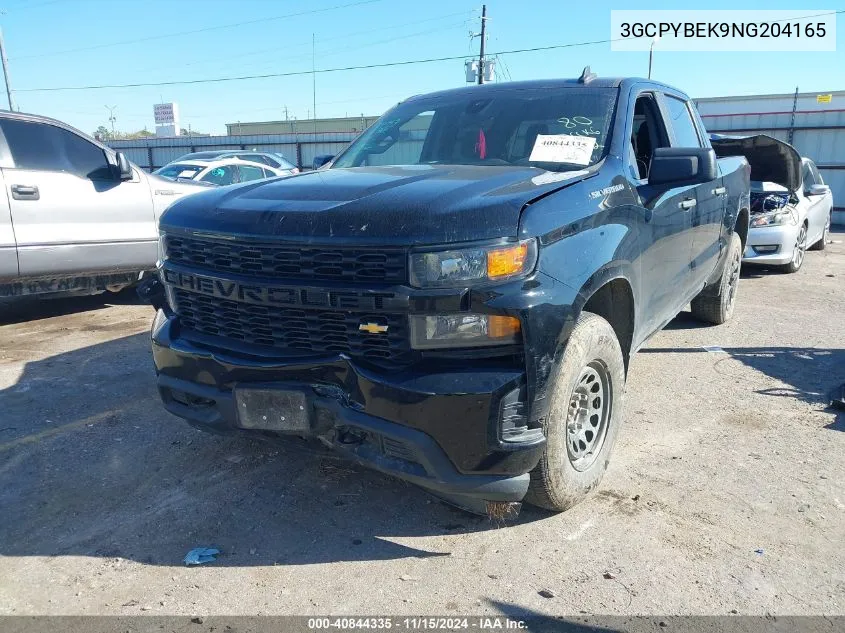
414,204
771,160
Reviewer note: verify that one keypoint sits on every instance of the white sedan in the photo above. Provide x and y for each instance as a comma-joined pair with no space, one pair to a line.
225,171
784,225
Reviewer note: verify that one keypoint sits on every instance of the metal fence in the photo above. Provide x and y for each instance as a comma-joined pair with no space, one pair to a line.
300,149
814,123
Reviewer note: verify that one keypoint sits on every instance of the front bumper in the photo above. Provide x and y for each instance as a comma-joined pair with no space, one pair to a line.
440,428
772,245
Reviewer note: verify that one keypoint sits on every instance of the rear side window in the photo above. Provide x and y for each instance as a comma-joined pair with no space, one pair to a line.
250,172
682,123
224,175
44,147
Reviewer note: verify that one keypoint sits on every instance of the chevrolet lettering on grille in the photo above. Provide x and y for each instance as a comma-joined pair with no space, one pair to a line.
284,296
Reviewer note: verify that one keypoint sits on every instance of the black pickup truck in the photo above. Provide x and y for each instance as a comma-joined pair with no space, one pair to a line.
455,298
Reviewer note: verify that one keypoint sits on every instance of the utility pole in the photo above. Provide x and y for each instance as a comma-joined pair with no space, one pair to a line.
483,38
112,118
6,72
651,53
286,113
314,79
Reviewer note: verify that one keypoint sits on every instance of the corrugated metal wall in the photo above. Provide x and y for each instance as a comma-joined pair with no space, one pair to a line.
300,149
814,124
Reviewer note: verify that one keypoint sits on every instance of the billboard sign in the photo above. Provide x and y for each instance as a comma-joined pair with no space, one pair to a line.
164,113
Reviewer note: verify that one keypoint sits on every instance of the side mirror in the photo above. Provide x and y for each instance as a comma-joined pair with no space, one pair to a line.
321,159
680,166
818,190
124,168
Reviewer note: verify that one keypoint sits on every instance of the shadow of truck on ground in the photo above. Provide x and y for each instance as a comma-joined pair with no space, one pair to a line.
91,464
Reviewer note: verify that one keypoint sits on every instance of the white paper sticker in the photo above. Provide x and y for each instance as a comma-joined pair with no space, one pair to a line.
563,148
188,173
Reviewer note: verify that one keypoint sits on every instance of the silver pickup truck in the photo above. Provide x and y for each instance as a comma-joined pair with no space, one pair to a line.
77,217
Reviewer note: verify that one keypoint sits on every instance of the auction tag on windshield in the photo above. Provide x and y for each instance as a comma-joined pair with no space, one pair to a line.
563,148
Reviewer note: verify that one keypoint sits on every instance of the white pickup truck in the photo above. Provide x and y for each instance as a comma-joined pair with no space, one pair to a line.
77,217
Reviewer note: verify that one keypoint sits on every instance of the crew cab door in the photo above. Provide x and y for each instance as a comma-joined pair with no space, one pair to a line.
71,212
665,215
706,217
8,248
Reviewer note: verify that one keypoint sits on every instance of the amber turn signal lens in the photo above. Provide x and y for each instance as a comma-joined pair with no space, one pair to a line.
502,327
505,262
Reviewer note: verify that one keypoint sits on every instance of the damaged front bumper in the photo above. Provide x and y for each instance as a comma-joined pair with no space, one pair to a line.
771,245
448,431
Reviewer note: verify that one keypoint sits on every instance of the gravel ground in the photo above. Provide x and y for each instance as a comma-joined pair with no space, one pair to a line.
726,492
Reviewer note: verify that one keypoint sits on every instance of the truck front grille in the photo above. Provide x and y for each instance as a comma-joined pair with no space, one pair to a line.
351,265
296,330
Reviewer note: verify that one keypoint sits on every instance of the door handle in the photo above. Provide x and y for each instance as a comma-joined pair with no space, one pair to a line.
25,192
687,204
719,191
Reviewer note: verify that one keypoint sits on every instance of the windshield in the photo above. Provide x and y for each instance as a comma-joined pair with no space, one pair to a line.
178,170
553,128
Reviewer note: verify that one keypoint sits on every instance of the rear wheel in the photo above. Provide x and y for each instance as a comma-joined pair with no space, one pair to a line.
584,416
797,252
718,308
820,245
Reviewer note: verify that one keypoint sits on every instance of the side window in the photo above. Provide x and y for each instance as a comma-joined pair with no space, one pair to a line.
647,134
269,174
250,172
807,176
224,175
44,147
816,174
682,123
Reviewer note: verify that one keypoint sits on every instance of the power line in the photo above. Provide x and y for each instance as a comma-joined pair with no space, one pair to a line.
194,31
302,44
308,72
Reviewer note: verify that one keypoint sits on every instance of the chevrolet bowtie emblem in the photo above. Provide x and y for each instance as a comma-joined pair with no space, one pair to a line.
373,328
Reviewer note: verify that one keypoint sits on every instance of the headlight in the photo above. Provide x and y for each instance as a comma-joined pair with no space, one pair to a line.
463,330
162,250
775,218
450,268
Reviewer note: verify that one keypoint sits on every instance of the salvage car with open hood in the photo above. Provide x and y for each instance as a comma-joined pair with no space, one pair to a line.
790,204
456,298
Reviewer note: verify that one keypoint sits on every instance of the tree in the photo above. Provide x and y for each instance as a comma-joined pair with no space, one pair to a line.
102,133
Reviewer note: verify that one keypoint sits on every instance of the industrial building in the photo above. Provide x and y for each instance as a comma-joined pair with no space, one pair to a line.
306,126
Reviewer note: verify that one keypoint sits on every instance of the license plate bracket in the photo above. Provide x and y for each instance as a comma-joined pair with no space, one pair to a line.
271,409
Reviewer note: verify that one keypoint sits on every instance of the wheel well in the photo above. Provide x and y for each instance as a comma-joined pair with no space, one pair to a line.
614,302
741,226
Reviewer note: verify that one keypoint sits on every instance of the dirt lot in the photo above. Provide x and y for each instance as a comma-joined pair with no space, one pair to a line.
726,491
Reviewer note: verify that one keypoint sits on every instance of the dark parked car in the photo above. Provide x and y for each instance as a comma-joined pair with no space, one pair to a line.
455,301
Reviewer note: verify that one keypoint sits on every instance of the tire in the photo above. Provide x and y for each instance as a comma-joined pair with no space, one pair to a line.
592,369
822,243
797,252
718,308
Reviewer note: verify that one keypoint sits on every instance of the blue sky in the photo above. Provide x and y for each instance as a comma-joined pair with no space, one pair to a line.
41,36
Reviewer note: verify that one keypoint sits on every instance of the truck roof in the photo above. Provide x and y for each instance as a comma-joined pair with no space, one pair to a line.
534,84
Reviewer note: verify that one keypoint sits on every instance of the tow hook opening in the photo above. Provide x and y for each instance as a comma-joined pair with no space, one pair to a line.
349,436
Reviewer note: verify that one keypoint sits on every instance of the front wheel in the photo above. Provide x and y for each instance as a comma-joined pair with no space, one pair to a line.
821,244
797,252
584,416
718,308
